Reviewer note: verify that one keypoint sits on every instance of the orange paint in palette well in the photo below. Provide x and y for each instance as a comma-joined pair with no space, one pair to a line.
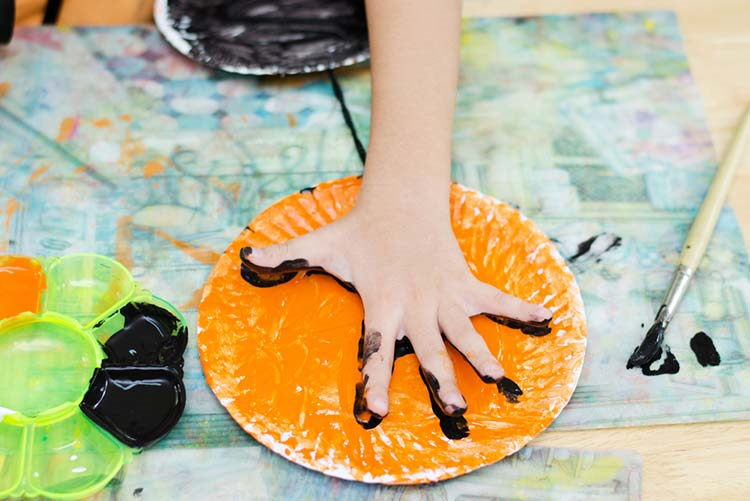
22,282
283,359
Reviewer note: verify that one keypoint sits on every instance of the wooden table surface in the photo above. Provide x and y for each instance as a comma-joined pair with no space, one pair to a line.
694,461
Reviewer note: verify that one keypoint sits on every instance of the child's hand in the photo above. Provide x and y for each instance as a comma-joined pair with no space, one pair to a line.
397,248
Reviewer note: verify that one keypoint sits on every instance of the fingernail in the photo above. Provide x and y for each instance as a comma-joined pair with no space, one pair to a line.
492,370
377,404
542,314
245,252
454,404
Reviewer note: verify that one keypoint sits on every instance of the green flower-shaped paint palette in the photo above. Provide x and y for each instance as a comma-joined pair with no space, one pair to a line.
90,367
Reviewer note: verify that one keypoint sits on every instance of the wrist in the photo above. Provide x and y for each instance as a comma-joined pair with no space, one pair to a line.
405,191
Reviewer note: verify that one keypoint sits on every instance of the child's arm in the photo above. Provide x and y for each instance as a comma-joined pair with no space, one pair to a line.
396,246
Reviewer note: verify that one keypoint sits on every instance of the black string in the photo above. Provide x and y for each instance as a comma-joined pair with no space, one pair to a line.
52,11
347,116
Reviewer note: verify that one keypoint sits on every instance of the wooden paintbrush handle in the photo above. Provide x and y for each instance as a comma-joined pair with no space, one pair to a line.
703,226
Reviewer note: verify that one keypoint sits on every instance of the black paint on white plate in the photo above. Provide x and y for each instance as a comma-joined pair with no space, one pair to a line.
266,37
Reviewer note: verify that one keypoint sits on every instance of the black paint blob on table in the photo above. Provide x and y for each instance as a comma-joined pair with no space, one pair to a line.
650,348
704,349
669,365
271,36
138,394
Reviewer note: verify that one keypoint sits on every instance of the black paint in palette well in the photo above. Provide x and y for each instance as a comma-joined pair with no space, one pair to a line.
264,37
138,394
151,335
138,405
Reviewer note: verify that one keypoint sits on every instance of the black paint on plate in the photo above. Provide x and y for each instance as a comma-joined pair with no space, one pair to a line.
268,37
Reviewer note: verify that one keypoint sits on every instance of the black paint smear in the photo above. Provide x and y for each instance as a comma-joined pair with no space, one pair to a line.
151,335
509,389
51,11
704,349
347,286
585,246
339,93
434,386
361,346
527,327
650,349
263,280
272,36
670,365
403,347
372,346
362,414
138,405
264,276
454,427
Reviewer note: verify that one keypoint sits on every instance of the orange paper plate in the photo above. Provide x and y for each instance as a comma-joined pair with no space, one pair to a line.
283,359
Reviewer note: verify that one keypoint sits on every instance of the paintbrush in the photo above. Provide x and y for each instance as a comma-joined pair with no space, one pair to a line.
695,246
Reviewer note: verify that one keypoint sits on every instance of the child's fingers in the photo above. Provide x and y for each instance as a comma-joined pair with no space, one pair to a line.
488,299
458,329
316,250
377,364
436,365
296,254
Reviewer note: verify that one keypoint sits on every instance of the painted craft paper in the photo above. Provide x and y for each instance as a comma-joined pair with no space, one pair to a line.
592,125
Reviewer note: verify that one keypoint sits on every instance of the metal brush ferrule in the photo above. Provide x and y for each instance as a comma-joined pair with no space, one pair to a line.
677,289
